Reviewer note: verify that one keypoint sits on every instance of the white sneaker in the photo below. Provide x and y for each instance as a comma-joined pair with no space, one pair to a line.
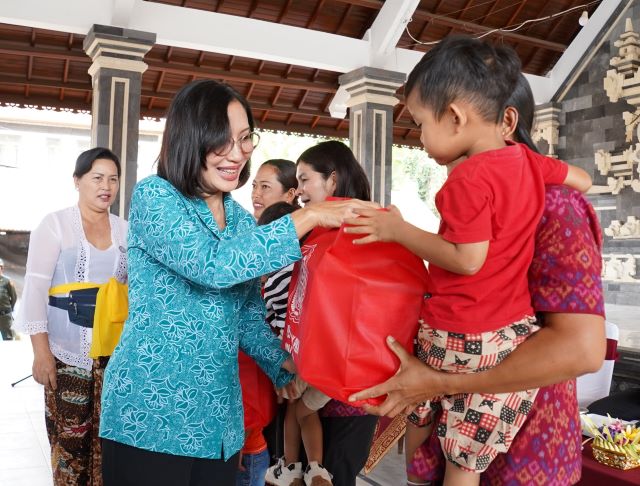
282,475
317,475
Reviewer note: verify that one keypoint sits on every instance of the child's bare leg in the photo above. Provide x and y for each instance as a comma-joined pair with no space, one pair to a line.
454,476
291,434
413,438
311,431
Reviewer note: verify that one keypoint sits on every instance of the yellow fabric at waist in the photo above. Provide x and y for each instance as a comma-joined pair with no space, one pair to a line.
112,309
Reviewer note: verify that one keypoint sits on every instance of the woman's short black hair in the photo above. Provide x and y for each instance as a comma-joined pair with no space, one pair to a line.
85,160
275,211
197,124
286,174
522,100
334,156
468,69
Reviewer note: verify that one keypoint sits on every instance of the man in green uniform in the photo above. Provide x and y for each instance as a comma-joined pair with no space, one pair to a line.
7,303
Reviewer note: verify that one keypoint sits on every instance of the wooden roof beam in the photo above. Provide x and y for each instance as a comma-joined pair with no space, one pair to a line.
30,67
274,100
284,11
65,74
463,26
315,13
176,68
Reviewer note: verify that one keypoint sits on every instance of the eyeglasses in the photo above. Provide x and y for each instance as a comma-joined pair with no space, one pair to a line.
246,144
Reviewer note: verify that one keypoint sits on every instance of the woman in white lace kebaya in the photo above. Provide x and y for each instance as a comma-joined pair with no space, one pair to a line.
80,244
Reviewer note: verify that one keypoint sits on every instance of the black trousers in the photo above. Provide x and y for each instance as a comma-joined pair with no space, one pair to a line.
123,465
347,441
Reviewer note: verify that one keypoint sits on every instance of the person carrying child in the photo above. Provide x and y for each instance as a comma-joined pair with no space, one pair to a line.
478,308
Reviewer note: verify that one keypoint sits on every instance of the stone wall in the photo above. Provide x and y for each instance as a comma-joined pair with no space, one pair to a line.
596,134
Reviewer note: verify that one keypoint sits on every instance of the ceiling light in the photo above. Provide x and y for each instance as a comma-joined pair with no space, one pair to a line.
584,18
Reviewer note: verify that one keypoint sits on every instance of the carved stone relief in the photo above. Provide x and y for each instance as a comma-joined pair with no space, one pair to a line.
627,230
623,82
619,268
546,126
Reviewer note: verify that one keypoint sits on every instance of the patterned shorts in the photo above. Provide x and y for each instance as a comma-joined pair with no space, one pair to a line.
474,428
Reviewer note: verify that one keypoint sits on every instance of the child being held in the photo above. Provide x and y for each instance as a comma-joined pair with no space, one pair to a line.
478,308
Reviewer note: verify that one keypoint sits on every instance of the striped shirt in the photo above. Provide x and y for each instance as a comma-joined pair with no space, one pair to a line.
276,295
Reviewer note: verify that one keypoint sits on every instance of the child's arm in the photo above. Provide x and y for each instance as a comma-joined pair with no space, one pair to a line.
461,258
578,179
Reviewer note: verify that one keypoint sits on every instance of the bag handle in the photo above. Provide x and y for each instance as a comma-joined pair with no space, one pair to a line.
68,287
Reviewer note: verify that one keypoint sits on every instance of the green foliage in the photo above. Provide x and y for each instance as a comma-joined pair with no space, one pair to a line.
411,164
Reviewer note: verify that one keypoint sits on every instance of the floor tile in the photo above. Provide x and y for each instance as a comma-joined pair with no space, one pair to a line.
32,476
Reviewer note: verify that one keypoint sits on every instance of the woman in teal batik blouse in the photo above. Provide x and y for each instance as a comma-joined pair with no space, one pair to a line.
171,407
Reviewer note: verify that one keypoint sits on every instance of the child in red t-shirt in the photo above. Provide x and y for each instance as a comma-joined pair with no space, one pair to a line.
478,308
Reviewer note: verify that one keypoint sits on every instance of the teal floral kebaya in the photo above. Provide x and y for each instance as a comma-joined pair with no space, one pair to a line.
172,383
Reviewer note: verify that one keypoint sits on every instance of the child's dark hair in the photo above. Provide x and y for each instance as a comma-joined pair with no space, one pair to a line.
522,100
275,211
467,69
334,156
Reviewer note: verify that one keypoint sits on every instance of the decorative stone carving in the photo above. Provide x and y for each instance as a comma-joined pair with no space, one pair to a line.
619,268
546,124
631,121
623,82
624,231
613,85
629,269
619,168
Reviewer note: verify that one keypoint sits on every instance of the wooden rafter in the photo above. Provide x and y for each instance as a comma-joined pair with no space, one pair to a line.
343,18
553,29
250,91
468,27
274,100
515,14
284,11
179,69
65,74
252,9
159,81
315,13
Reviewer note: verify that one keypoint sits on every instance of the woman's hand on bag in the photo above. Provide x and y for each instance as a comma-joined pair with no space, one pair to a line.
44,368
328,214
331,214
414,383
378,225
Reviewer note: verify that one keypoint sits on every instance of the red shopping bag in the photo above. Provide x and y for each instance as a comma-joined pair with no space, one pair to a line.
344,300
258,394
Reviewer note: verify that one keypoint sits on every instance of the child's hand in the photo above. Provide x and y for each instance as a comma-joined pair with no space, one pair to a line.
289,365
378,225
290,391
